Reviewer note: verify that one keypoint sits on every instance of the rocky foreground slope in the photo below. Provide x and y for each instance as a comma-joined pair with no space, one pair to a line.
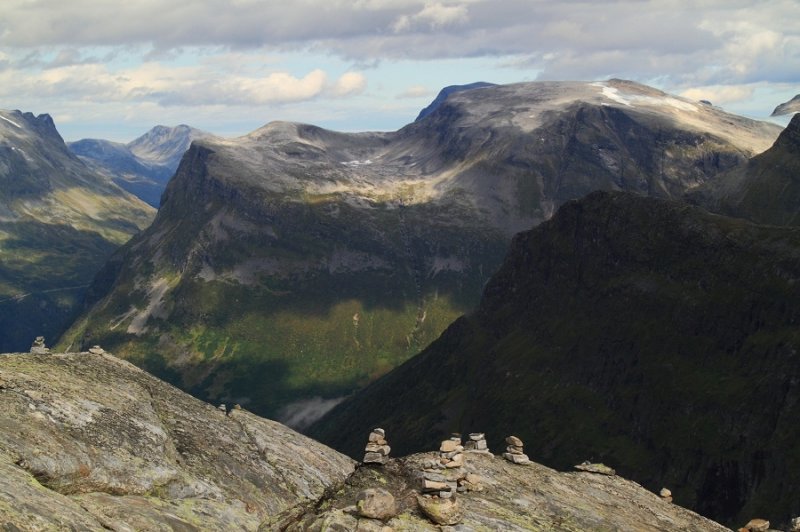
89,442
647,334
288,267
59,223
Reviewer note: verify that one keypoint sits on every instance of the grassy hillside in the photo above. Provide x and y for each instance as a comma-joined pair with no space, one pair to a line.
649,335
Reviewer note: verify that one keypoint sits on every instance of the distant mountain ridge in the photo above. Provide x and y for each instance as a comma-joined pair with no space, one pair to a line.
144,165
290,266
59,222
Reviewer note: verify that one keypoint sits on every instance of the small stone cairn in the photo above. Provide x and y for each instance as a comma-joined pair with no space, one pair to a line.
514,452
377,449
665,494
441,476
476,442
38,346
96,350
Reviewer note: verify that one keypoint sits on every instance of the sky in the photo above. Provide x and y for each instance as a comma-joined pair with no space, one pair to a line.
113,69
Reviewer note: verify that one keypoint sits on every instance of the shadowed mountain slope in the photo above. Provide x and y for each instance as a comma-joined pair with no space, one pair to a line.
647,334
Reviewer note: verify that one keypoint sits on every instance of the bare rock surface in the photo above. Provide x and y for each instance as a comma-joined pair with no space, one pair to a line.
88,441
514,498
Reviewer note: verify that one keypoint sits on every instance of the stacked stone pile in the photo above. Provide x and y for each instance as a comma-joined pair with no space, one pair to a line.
442,477
665,494
38,346
377,449
96,350
514,452
476,442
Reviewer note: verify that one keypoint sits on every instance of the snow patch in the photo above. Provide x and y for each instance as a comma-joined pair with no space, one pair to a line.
11,122
356,163
630,100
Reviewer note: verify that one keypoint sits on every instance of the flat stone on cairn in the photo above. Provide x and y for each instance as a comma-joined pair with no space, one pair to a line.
38,346
514,452
377,450
476,442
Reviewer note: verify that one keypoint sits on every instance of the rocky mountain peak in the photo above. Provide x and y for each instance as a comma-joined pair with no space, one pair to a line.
790,107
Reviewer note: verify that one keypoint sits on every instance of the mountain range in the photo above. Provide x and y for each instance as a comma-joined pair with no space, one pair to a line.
59,222
645,333
143,166
293,265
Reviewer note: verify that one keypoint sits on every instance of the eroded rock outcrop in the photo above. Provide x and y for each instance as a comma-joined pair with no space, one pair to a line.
91,442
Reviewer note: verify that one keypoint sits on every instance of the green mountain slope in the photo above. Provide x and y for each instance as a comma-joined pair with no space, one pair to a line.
646,334
59,222
291,266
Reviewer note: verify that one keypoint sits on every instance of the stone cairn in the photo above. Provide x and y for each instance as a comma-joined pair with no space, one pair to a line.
444,476
476,442
665,494
514,452
377,449
38,346
96,350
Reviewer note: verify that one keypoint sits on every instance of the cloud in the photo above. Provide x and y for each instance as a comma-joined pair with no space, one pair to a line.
349,84
415,91
720,94
171,86
690,43
433,15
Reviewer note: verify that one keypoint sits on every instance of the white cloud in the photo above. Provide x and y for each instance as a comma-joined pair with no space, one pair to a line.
720,94
349,84
433,15
416,91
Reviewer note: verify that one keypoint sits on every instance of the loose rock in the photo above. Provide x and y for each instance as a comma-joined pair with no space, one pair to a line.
440,511
600,469
757,525
665,494
376,503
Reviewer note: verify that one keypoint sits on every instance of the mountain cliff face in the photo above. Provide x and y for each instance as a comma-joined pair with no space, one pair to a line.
650,335
90,442
143,166
291,266
59,222
767,188
447,91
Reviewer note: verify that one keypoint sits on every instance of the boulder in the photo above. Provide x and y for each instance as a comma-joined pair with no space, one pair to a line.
376,503
440,511
757,525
